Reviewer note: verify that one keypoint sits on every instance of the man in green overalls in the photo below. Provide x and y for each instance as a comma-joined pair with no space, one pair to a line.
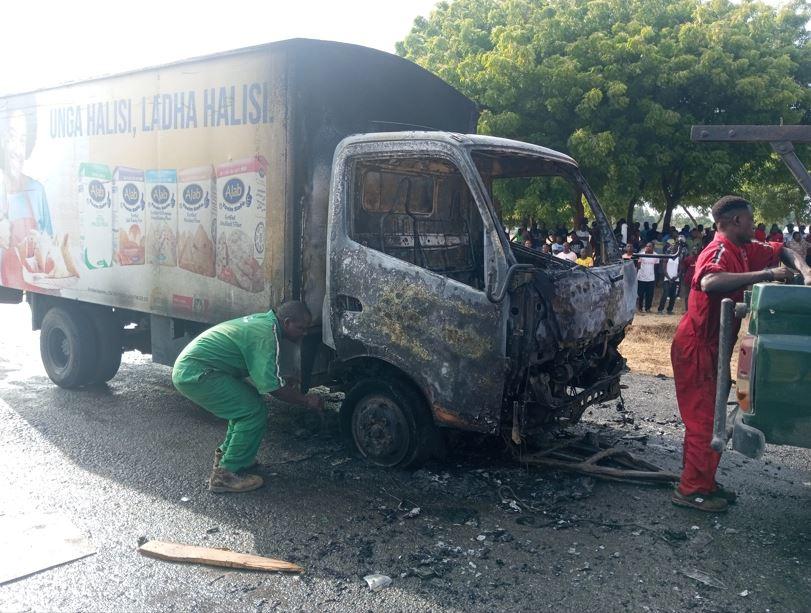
212,371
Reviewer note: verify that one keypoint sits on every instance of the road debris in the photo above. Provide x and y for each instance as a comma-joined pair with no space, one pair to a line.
704,578
377,582
590,456
412,513
177,552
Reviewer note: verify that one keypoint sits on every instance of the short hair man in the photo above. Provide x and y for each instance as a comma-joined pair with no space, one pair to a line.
645,279
688,269
670,278
797,244
729,263
576,243
212,371
567,253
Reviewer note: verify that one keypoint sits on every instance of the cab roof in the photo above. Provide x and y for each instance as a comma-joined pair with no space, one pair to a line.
476,142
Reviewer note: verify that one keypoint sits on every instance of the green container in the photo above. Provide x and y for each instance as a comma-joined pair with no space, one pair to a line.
781,384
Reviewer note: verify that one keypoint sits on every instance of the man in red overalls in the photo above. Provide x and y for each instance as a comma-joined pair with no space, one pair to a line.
730,263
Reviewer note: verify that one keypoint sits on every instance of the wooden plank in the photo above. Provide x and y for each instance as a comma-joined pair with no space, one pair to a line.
177,552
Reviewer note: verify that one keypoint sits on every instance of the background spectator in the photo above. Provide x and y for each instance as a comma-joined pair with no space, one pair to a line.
567,253
585,258
775,235
688,268
646,280
670,279
798,245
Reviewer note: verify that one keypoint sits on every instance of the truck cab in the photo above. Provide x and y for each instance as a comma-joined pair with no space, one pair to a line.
425,289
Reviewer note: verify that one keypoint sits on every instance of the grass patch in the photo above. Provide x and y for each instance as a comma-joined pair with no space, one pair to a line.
647,344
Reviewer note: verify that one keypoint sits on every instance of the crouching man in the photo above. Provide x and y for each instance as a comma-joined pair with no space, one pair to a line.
212,371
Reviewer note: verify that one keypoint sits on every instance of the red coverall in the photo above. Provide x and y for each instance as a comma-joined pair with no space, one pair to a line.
694,354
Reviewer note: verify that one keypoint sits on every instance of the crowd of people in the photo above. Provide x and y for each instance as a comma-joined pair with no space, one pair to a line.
582,246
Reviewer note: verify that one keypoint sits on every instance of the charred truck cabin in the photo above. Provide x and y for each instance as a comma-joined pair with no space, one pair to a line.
426,291
382,213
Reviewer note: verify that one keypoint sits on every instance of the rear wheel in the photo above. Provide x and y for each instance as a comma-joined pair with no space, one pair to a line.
108,345
388,423
67,345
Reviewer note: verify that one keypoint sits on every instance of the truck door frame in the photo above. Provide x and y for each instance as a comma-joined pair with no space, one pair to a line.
463,370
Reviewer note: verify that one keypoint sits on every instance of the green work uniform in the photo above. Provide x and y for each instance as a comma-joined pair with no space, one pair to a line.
211,372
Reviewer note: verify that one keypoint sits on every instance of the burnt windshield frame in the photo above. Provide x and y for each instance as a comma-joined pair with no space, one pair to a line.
534,165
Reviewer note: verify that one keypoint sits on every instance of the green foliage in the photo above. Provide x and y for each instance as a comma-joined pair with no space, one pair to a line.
618,83
547,198
774,195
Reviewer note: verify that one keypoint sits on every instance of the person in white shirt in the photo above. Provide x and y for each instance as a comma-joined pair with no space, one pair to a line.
645,279
567,253
583,232
670,281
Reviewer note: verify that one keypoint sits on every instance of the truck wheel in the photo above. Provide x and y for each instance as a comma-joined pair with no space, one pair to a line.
67,345
388,423
108,345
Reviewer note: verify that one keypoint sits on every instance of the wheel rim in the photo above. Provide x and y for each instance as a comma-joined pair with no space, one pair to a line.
380,430
58,348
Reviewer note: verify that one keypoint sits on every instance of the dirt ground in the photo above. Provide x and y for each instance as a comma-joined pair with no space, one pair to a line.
647,341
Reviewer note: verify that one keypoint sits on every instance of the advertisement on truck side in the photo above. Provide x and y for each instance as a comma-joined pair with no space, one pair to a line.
145,191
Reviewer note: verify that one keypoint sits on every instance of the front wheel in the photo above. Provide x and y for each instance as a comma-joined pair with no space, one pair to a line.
388,423
67,345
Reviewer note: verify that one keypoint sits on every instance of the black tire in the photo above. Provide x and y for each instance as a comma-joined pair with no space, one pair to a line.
388,423
109,343
67,345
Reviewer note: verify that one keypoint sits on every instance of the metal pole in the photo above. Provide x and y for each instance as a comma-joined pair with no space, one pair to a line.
719,434
786,152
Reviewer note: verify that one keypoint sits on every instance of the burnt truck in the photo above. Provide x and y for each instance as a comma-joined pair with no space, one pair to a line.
137,210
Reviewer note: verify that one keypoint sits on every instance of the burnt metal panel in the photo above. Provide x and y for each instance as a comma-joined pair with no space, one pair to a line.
441,333
589,302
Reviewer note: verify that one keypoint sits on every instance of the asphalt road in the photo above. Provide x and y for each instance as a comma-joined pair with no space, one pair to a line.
129,461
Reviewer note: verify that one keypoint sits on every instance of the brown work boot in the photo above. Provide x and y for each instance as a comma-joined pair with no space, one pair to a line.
218,459
224,481
702,502
721,492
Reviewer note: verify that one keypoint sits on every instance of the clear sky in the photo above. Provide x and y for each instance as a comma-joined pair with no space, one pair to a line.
47,42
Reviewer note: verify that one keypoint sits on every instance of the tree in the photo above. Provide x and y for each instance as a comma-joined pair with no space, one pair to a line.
768,185
618,83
